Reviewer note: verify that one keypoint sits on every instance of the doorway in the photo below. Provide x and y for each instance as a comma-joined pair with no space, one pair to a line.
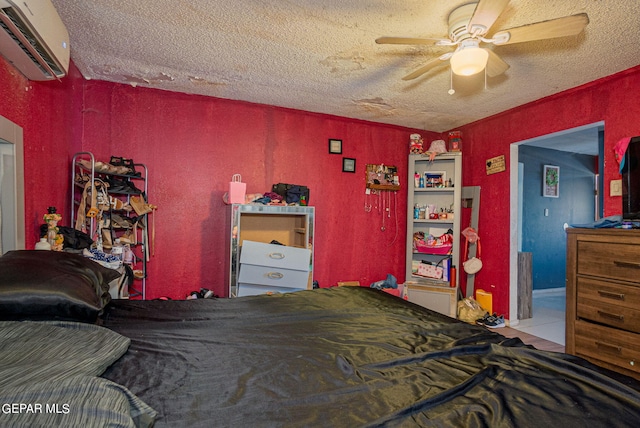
12,234
537,224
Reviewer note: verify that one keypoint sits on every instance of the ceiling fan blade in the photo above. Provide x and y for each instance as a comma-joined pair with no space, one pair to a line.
495,65
428,66
405,41
567,26
486,13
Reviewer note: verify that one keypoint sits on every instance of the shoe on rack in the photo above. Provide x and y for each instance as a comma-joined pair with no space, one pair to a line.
121,222
124,166
82,179
128,238
140,205
121,186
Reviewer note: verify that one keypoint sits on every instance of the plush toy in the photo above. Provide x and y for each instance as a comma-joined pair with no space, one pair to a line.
53,237
415,145
436,147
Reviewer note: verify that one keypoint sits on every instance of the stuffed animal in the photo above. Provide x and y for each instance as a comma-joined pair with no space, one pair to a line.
436,147
415,144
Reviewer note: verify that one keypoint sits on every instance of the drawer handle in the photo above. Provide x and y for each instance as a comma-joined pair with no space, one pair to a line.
609,347
276,256
610,315
275,275
610,295
634,265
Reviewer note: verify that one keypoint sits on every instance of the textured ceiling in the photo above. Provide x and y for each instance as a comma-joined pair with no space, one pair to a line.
320,55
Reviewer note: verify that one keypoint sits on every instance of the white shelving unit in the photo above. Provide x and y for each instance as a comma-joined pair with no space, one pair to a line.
441,294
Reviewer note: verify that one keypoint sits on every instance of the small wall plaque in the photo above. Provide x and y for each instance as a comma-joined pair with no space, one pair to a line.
496,164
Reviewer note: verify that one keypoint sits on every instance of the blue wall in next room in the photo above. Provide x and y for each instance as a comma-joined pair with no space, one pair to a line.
542,235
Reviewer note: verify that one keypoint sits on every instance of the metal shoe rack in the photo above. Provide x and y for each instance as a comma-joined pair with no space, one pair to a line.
84,165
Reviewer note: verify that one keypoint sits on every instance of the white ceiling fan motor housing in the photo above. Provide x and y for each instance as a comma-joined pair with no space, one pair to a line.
458,21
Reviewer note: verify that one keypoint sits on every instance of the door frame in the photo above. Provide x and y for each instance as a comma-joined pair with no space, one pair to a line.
13,134
515,226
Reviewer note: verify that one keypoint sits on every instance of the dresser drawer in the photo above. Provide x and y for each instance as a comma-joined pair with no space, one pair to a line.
609,259
254,289
277,256
273,276
620,348
609,303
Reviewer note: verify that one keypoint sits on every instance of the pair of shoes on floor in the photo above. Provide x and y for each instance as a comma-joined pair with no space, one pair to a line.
491,321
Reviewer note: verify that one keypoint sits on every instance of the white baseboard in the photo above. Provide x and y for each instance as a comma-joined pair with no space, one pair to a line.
548,292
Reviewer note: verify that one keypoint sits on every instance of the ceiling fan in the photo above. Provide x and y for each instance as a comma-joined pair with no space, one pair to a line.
468,28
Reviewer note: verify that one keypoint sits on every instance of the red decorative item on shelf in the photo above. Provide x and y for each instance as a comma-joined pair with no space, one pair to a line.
455,141
452,281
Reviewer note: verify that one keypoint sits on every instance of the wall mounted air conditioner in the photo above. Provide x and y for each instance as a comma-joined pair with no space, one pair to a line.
34,39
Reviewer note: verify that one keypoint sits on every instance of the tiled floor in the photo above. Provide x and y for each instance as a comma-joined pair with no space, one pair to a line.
548,316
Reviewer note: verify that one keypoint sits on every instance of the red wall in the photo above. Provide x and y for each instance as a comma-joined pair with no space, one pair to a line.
193,144
613,100
44,111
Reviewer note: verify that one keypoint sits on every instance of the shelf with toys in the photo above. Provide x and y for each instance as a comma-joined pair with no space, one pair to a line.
433,225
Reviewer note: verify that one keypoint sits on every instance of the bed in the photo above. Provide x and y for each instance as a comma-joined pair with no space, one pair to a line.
342,356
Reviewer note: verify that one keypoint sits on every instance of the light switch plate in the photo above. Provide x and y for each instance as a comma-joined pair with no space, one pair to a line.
615,188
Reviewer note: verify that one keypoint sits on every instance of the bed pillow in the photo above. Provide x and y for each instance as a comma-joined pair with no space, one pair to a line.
52,285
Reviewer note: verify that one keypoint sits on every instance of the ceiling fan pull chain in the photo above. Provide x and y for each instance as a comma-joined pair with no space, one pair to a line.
485,78
451,90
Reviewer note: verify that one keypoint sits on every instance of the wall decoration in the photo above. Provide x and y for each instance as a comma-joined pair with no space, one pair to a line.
335,146
348,165
551,181
382,177
496,164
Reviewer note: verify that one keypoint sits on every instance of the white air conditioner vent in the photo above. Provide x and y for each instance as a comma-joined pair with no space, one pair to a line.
34,39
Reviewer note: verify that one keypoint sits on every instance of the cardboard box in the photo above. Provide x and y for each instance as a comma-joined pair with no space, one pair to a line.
429,271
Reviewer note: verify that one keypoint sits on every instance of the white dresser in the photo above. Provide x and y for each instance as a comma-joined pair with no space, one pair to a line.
272,268
291,225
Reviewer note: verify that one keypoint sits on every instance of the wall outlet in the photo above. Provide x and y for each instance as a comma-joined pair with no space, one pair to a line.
615,188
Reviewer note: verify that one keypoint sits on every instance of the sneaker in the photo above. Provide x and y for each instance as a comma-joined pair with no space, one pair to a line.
481,321
495,321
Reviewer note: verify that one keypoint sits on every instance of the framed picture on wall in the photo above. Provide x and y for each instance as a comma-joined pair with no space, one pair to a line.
335,146
551,181
348,165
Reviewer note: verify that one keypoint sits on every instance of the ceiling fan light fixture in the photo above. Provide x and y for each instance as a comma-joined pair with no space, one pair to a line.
469,59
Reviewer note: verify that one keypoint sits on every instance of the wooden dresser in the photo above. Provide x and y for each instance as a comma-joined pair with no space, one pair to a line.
603,298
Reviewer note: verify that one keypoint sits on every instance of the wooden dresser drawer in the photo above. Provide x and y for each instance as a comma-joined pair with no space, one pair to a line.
609,259
277,256
609,303
603,344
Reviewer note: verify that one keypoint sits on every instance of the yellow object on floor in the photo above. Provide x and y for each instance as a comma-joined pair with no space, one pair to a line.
485,299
